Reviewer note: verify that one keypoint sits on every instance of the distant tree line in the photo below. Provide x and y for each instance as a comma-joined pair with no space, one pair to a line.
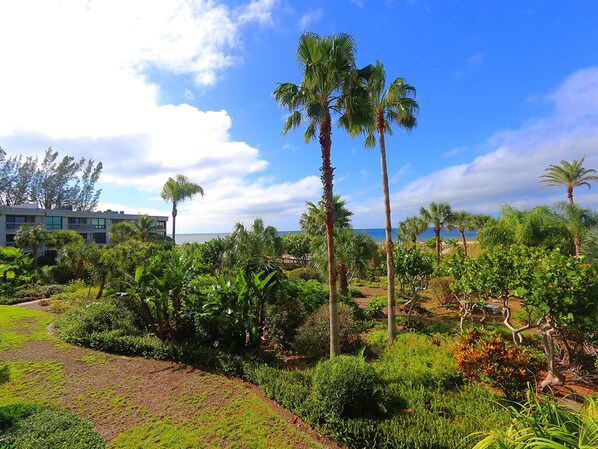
50,183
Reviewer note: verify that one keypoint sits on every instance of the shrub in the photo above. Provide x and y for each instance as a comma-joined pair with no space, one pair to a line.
283,319
345,386
49,429
305,274
291,389
358,313
311,293
488,357
80,324
10,414
313,337
439,288
417,360
373,309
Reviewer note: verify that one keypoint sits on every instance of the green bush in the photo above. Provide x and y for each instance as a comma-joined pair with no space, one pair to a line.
4,373
373,309
283,319
419,360
346,386
49,429
80,324
291,389
305,274
311,293
10,414
313,337
358,312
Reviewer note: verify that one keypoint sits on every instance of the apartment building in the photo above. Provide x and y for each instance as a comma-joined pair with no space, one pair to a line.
92,226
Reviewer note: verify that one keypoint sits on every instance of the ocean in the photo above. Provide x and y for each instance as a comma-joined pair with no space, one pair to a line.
378,234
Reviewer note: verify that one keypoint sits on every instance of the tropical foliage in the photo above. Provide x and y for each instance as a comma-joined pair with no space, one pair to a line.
331,83
176,190
569,174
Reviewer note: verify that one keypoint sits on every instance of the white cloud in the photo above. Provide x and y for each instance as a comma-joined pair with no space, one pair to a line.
309,18
513,160
75,76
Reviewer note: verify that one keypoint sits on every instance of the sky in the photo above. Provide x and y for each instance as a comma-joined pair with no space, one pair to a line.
155,88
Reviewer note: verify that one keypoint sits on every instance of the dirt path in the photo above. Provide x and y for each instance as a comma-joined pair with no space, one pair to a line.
140,403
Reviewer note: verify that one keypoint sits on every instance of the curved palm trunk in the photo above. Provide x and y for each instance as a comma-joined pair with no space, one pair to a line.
390,272
437,234
174,213
327,176
462,232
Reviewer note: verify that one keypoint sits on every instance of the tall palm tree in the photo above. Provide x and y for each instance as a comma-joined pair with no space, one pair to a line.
570,174
438,215
178,189
463,221
410,229
331,84
395,104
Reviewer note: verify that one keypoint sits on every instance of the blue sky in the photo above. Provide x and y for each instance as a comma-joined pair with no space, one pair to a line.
155,88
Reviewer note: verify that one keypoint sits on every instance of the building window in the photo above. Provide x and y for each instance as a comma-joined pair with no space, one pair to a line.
99,237
98,223
53,222
20,219
75,220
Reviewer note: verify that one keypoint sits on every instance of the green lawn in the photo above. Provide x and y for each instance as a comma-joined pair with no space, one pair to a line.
134,402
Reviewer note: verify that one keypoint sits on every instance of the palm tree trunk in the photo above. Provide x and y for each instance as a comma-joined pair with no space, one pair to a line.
174,213
437,234
327,177
462,232
577,244
390,272
570,194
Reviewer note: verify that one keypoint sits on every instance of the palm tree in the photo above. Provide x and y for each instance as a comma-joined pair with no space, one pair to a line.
120,232
395,104
33,237
176,190
313,221
578,220
145,229
463,221
331,84
253,250
410,229
539,226
438,215
570,174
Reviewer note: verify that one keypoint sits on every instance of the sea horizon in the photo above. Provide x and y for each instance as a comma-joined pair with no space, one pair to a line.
378,234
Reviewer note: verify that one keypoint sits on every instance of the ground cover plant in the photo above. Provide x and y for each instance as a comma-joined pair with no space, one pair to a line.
196,407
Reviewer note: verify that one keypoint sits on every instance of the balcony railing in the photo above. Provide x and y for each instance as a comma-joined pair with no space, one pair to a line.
15,226
85,227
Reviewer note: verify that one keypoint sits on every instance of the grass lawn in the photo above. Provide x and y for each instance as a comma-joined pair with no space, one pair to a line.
135,402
